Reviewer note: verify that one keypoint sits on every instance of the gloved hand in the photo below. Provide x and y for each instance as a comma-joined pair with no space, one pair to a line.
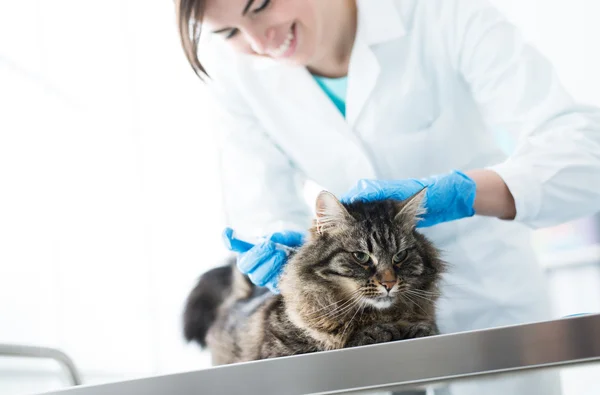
264,261
448,197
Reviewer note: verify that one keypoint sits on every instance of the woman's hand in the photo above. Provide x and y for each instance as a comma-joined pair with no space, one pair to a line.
264,262
449,197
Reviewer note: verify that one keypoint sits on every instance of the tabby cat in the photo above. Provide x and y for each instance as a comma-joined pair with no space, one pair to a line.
364,276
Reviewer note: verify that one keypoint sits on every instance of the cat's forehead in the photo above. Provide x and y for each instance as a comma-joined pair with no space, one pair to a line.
377,239
380,228
375,227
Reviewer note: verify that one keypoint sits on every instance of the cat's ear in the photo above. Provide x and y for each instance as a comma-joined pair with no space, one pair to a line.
411,209
331,214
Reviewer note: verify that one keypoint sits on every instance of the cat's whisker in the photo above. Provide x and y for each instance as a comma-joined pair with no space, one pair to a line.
336,302
435,293
417,295
326,320
362,301
345,304
362,309
422,298
415,303
337,313
330,315
424,292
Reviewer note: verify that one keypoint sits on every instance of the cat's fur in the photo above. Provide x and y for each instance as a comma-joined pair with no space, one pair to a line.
329,299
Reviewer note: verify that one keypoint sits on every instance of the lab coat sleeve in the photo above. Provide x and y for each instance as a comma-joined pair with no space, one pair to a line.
554,171
261,186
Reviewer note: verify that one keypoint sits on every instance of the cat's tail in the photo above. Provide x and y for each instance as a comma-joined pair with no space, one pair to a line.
213,289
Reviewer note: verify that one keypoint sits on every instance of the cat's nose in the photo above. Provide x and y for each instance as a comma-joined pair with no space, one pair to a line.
387,279
388,285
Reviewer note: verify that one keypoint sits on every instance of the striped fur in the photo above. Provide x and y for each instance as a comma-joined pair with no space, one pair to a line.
329,299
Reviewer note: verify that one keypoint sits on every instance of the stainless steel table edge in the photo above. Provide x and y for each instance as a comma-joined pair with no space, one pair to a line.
406,385
428,360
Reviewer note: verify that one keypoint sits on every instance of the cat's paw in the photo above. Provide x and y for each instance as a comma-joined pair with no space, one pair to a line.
421,329
379,333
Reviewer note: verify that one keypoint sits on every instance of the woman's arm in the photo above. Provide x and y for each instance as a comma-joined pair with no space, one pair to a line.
492,197
554,172
553,175
259,182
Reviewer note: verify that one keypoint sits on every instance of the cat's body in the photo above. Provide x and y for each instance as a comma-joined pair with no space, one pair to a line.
255,326
365,276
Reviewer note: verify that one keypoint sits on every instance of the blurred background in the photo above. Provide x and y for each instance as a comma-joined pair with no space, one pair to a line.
110,203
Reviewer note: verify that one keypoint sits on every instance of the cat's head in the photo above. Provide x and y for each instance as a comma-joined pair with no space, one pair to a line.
369,252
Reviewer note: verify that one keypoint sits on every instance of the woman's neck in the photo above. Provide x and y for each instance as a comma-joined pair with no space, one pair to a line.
336,61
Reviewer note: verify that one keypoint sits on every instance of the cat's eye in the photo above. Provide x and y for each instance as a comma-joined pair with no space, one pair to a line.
361,257
400,257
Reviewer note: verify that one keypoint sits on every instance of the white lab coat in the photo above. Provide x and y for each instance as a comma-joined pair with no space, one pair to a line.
430,83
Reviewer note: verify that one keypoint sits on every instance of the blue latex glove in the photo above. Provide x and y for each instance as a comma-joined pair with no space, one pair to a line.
448,197
264,261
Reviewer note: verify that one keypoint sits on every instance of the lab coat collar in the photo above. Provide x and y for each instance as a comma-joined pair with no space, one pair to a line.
379,21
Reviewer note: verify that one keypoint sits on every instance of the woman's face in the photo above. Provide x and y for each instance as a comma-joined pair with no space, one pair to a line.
286,30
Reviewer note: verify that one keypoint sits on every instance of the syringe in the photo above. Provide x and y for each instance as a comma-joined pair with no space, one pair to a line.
238,243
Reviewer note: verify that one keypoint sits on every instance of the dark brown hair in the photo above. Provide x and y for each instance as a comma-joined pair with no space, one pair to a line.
189,18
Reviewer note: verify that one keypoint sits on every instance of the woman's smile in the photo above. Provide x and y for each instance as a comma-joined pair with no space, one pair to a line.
287,47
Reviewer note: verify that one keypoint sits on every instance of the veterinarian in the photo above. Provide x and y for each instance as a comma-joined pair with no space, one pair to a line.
375,99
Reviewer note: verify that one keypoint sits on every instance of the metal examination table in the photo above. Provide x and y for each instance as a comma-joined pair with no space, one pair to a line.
439,359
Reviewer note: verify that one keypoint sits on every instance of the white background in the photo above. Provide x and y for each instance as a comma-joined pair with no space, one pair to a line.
110,203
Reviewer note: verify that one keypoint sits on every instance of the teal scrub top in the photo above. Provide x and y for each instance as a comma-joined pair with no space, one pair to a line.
335,88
